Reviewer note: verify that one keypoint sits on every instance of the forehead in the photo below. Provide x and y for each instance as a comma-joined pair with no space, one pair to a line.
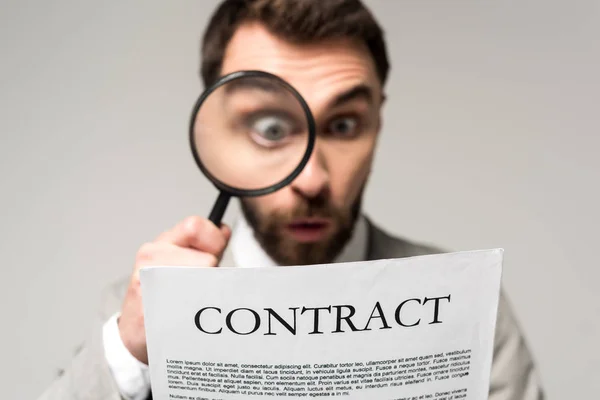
318,71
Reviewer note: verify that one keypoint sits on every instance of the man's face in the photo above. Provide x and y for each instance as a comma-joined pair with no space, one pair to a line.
310,220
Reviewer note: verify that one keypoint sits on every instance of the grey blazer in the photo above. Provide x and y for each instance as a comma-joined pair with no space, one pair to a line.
513,375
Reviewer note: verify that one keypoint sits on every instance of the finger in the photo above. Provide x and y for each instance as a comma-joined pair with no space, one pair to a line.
165,254
226,230
197,233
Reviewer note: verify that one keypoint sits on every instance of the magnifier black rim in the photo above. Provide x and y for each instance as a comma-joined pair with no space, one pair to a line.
265,190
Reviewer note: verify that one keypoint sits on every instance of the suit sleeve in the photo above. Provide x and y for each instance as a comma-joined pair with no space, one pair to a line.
88,376
513,375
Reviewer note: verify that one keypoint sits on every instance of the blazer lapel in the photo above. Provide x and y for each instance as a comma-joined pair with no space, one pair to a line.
382,245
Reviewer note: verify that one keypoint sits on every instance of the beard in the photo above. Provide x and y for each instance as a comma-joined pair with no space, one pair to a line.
269,230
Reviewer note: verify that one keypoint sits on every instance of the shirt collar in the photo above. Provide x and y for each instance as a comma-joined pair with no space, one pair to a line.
247,252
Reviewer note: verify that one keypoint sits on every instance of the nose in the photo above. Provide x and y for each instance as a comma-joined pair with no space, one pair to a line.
313,181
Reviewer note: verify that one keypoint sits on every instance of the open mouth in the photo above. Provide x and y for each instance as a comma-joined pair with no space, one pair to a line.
308,230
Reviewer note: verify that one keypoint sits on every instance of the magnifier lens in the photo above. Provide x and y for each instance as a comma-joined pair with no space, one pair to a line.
251,133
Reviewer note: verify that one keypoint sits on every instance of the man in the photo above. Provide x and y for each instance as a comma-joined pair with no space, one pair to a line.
334,54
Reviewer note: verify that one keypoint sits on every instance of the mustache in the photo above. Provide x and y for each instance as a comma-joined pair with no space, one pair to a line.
314,207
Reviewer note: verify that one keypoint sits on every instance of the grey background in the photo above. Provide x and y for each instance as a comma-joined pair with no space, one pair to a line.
490,140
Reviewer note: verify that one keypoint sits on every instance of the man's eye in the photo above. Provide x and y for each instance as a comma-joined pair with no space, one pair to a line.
346,126
270,130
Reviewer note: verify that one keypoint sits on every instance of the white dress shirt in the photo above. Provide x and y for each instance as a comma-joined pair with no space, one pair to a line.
132,376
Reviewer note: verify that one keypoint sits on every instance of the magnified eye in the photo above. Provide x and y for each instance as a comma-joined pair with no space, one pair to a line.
270,130
345,126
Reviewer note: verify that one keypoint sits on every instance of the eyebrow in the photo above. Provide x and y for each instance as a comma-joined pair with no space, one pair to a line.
266,85
361,91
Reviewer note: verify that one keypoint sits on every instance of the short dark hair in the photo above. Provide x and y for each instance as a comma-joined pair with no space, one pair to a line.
296,21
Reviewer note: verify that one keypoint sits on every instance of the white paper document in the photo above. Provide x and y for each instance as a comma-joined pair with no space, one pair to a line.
400,329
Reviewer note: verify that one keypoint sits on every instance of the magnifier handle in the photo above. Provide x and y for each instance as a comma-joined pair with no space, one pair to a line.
219,208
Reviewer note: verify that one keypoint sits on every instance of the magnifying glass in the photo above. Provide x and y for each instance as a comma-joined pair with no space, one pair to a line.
251,133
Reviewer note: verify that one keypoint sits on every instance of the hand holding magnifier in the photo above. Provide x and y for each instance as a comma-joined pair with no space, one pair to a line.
251,133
